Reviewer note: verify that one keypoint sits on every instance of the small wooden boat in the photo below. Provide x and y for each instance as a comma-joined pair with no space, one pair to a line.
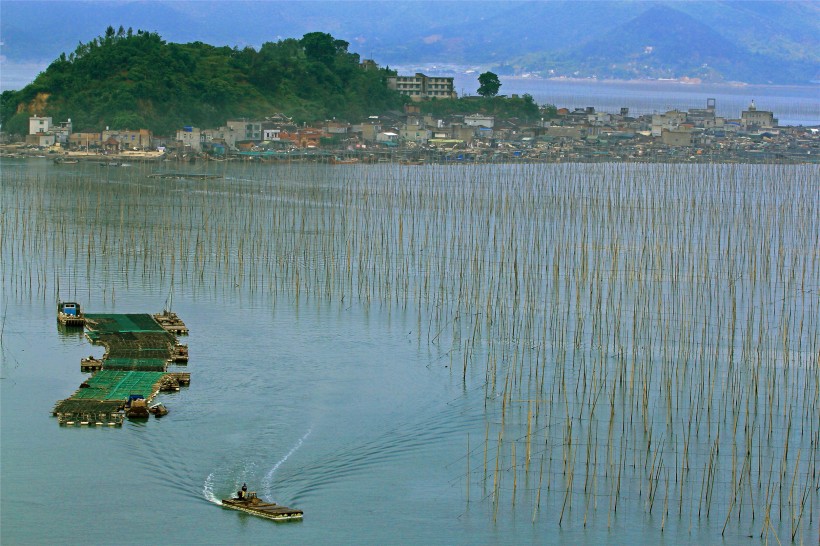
250,503
158,410
136,407
69,313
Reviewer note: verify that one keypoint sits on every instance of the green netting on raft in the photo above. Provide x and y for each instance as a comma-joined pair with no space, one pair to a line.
142,347
130,336
137,351
118,385
79,406
99,324
138,364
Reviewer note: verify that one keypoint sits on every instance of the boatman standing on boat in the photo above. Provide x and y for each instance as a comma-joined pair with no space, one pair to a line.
243,493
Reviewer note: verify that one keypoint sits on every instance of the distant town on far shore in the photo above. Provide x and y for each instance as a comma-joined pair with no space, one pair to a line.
581,134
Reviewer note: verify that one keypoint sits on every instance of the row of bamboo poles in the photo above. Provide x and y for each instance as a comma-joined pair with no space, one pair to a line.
641,334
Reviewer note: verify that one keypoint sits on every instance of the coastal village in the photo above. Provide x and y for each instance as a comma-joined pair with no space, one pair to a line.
578,134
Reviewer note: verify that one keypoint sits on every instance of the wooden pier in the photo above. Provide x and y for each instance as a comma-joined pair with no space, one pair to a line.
139,350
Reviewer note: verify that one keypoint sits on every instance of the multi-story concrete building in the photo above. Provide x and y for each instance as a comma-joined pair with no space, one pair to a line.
38,124
440,87
128,140
245,130
478,120
43,132
417,133
669,121
271,134
676,137
191,138
236,131
757,119
420,87
85,141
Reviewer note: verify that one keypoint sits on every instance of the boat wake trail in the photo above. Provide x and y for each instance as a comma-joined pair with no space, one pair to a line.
208,490
267,482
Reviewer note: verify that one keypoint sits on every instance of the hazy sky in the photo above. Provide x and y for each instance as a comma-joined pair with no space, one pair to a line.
403,33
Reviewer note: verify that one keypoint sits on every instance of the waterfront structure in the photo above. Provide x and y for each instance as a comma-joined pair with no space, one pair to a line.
244,129
190,138
39,124
85,141
44,133
235,131
564,134
127,139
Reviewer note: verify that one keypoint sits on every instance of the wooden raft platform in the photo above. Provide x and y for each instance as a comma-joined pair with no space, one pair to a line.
183,378
182,176
171,322
180,354
91,364
138,352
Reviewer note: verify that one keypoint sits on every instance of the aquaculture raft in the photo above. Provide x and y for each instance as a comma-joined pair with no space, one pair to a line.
138,352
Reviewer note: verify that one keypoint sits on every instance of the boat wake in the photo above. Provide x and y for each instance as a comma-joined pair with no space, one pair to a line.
208,490
383,450
267,482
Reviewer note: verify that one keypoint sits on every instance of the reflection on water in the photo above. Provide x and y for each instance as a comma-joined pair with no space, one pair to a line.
456,354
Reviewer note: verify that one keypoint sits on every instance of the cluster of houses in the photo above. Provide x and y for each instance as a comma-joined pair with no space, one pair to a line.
582,133
44,133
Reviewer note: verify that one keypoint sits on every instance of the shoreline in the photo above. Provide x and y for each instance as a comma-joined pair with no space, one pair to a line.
692,82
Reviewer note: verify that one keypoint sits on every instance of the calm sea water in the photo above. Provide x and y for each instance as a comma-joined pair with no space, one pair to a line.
351,407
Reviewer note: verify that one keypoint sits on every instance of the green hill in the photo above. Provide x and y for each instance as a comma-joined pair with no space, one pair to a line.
128,79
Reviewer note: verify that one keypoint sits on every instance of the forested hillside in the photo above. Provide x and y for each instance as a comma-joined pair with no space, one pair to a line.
128,79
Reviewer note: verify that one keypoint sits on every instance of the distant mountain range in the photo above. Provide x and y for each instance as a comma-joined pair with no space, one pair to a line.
663,42
751,41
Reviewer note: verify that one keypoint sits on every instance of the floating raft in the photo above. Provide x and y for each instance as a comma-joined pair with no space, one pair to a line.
91,364
180,354
183,176
138,352
171,323
257,507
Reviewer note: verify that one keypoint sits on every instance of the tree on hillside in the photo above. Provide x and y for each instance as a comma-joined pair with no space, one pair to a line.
322,47
489,84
